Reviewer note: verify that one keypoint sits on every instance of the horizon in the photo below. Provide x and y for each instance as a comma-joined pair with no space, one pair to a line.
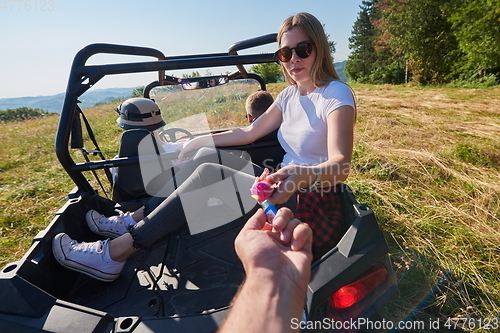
62,93
97,89
43,43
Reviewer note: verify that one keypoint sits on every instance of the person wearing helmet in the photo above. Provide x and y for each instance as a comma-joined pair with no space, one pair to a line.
201,182
140,112
144,113
316,116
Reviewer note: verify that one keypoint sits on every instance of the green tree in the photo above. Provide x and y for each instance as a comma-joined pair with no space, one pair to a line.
193,74
421,32
22,113
270,72
137,92
372,59
362,58
331,43
476,25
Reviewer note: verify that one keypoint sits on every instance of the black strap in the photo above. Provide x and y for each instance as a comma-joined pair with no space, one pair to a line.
94,141
85,155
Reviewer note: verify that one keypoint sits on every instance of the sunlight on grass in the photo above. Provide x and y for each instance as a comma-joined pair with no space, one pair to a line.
427,161
218,104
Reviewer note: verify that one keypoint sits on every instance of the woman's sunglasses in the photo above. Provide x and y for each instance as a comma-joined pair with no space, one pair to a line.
303,50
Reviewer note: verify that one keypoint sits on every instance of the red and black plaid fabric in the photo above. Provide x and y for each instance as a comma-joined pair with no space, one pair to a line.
322,211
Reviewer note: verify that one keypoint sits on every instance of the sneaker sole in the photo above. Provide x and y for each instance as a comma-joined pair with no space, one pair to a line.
77,267
95,229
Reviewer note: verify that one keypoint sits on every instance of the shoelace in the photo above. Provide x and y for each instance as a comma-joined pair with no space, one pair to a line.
95,247
115,218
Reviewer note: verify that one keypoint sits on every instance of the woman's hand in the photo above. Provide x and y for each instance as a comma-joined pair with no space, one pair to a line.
289,180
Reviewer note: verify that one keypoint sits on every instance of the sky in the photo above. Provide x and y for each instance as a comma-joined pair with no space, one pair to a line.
41,37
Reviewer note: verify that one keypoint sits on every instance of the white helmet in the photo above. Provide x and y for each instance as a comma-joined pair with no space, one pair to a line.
139,113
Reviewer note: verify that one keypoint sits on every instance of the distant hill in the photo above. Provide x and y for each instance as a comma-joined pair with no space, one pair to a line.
54,103
339,67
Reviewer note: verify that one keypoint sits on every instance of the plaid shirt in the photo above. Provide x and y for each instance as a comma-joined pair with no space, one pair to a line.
322,211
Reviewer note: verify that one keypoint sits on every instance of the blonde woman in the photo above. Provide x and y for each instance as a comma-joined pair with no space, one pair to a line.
315,116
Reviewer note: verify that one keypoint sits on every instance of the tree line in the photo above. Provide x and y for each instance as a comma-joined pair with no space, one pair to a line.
426,42
22,113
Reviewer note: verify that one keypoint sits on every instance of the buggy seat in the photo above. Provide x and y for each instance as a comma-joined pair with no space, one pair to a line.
128,183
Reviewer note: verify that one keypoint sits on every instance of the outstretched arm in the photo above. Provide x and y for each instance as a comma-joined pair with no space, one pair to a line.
265,124
334,170
277,265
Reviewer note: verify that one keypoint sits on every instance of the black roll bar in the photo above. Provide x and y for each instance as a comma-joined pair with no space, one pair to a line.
252,42
83,77
249,43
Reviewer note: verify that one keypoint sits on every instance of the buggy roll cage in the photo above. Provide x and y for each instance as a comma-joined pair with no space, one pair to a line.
83,77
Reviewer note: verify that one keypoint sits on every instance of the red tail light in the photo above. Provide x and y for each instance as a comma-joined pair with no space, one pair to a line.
351,294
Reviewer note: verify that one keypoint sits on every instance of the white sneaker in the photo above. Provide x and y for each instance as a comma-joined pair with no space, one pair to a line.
112,226
88,258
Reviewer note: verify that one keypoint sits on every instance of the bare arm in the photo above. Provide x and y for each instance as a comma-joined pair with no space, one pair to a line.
264,125
334,170
340,145
278,267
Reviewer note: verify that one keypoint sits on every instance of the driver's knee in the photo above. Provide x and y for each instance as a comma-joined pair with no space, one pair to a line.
222,157
206,155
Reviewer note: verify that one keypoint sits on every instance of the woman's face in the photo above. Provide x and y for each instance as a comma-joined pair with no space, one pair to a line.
298,68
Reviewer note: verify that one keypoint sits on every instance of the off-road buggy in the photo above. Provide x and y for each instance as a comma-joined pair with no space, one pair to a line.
185,282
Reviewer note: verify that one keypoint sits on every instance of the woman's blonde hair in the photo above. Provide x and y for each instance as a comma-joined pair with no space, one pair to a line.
323,70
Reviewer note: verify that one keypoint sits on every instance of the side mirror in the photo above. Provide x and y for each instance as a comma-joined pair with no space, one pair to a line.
203,82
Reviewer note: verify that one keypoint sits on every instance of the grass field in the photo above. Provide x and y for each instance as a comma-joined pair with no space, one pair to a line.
426,160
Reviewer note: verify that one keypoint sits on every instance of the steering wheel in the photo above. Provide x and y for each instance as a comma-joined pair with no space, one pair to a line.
169,135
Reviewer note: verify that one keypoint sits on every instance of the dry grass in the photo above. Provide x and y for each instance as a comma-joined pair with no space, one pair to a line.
212,108
32,183
426,160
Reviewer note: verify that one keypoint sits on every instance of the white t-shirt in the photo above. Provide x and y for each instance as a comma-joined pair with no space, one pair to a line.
303,131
